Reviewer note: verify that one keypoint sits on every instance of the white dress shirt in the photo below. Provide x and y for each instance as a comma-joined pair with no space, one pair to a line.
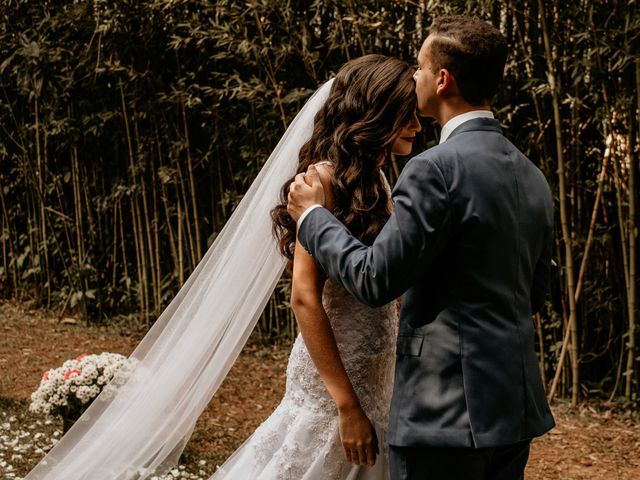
458,120
448,127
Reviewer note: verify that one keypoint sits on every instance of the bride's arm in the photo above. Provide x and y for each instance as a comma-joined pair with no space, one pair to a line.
357,433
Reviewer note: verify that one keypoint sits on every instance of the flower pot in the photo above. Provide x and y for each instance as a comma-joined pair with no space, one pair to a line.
67,423
71,417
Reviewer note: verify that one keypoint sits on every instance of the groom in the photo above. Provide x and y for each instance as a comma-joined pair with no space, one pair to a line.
469,245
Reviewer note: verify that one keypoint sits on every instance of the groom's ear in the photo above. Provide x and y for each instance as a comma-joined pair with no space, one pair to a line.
445,83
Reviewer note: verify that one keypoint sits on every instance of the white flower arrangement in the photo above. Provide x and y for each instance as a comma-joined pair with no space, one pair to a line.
68,389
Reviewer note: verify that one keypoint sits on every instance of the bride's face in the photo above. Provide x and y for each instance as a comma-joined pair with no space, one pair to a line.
404,139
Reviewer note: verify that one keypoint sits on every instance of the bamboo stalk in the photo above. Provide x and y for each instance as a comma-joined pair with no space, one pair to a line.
6,240
180,255
633,231
80,255
135,217
140,245
122,244
62,213
156,242
192,187
221,214
92,227
345,43
583,267
137,246
77,206
32,224
146,233
540,334
592,227
45,234
40,201
78,210
183,198
4,237
172,239
618,374
566,235
114,255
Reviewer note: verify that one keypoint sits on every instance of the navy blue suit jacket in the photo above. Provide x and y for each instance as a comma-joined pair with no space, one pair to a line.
469,245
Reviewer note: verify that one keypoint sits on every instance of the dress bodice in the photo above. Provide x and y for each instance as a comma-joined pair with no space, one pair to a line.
366,339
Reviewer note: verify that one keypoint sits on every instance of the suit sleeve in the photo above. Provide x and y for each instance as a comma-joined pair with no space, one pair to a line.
542,275
413,235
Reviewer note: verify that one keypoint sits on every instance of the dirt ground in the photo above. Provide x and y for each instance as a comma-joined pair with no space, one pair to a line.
591,442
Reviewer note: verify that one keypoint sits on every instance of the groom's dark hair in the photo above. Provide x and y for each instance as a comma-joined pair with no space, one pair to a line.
474,52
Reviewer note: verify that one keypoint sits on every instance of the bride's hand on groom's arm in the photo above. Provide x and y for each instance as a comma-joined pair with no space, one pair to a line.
305,191
358,436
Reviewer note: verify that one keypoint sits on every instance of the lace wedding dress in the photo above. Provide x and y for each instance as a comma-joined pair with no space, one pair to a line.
300,440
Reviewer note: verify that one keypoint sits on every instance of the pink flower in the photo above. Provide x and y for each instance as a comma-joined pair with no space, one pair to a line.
46,375
71,372
80,357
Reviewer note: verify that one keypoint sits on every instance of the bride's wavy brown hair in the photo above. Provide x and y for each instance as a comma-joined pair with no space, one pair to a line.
371,99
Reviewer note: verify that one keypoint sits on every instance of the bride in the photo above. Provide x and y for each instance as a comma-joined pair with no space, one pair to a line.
340,372
330,422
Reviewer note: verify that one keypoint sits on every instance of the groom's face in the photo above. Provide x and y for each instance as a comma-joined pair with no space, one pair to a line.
426,83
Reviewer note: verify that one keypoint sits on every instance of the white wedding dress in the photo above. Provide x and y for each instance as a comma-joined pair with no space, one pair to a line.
300,440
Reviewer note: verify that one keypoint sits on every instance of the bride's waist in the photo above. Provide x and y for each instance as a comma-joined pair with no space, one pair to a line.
367,338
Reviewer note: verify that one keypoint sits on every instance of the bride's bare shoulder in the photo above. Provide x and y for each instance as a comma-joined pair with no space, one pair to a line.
326,171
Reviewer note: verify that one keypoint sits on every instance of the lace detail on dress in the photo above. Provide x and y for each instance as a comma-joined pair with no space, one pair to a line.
300,440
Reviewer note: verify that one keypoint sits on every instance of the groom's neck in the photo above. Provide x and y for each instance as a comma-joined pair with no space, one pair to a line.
454,107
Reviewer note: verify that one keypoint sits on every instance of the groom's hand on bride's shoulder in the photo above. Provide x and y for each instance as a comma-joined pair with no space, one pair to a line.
305,191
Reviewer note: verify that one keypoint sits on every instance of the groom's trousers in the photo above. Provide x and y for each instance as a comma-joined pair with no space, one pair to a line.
430,463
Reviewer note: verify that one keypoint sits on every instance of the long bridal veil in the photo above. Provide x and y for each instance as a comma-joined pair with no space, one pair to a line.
139,425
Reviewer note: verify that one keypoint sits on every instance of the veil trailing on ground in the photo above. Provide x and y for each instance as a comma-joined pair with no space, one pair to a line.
139,425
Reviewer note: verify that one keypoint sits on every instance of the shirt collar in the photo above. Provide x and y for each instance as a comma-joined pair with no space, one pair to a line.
458,120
